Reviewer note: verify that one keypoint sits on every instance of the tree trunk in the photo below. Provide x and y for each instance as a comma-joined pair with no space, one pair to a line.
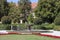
11,27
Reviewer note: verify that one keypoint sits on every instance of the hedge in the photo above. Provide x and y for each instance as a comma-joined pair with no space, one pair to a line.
57,27
8,26
4,27
24,26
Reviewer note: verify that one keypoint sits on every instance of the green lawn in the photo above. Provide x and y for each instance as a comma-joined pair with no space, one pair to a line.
25,37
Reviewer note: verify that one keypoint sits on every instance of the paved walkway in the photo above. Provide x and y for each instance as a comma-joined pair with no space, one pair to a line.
55,33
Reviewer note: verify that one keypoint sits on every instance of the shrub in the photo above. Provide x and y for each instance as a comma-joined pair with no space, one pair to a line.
36,26
15,26
20,26
4,27
38,21
6,20
57,27
47,26
57,20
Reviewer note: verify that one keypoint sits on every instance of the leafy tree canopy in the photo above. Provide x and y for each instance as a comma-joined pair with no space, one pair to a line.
48,9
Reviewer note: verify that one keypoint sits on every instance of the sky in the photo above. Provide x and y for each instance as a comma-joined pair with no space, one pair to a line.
17,1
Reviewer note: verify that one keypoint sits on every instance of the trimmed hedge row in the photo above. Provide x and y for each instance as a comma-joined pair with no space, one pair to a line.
8,26
24,26
4,27
44,26
57,27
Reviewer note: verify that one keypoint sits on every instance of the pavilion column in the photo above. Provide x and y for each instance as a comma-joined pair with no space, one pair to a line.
12,26
21,21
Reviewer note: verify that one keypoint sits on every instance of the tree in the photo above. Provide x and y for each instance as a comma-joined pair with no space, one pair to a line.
25,8
14,12
48,10
30,18
3,8
6,20
57,20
